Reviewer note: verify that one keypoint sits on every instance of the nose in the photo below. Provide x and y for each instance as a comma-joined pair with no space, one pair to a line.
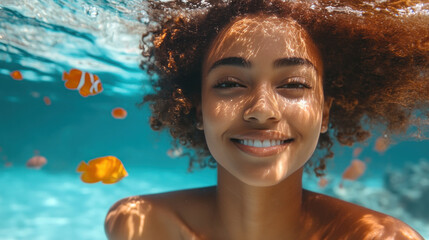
263,107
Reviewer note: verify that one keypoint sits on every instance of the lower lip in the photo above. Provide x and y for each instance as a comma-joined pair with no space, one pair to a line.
262,151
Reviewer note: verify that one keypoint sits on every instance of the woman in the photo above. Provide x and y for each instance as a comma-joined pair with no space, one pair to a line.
258,85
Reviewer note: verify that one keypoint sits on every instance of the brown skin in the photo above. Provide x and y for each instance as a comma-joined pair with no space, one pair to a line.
258,188
189,215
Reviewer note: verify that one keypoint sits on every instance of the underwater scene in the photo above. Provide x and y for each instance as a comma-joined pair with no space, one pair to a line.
70,94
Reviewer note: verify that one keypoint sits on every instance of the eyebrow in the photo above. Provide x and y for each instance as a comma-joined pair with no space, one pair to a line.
292,61
231,61
281,62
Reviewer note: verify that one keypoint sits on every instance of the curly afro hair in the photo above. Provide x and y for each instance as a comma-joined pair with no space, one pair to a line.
375,56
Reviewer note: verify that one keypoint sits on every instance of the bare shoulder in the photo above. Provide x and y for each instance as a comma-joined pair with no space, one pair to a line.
337,219
157,216
139,217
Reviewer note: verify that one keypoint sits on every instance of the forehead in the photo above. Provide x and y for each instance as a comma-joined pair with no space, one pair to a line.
263,37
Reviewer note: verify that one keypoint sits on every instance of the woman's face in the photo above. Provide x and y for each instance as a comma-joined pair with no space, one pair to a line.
262,99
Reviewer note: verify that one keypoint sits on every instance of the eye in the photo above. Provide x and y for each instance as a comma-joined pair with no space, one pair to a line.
296,83
228,82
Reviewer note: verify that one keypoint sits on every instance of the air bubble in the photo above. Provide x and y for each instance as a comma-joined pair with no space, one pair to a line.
144,17
90,11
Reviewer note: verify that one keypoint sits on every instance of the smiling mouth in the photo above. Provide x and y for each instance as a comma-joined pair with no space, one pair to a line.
262,148
261,143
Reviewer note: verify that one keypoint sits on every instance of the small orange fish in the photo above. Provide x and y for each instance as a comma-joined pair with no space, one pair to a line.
8,164
119,113
86,83
108,169
354,170
357,151
175,152
323,182
36,162
47,101
35,94
381,144
16,75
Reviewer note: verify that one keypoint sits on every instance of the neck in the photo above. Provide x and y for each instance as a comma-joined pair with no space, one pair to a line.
246,212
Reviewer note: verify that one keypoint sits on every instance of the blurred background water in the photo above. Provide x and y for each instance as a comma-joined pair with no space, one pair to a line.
42,39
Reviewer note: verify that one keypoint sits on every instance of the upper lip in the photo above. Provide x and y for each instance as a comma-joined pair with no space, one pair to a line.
261,135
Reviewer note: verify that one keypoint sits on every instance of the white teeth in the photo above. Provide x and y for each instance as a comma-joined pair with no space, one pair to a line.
260,143
266,143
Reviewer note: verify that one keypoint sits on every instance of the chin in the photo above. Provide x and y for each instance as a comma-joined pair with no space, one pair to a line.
266,179
260,182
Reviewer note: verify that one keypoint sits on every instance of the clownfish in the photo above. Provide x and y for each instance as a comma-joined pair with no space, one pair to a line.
108,170
86,83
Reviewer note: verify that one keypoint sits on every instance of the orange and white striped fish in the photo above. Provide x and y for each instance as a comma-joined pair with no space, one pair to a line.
86,83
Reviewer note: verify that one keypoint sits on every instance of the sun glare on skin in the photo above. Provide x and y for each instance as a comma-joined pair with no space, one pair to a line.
133,214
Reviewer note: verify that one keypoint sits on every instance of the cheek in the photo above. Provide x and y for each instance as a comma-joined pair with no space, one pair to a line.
217,115
303,120
217,110
304,117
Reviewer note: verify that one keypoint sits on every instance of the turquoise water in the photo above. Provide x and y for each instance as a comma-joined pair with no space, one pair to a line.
44,38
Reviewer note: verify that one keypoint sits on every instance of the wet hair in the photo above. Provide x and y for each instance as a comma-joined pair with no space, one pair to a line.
375,57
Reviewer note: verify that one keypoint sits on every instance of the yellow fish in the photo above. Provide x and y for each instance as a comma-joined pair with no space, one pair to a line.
108,169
